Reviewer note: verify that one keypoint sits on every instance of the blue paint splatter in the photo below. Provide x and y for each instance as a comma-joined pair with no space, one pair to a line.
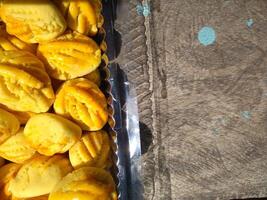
143,9
207,35
139,9
250,23
246,115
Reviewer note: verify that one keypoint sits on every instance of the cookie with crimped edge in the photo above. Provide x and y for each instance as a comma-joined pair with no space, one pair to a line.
24,84
82,101
32,21
93,150
70,56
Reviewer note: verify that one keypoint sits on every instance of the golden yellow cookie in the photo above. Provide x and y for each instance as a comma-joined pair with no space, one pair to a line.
83,16
10,42
69,56
16,148
39,176
94,76
24,83
32,21
87,183
7,172
84,102
92,150
9,125
50,134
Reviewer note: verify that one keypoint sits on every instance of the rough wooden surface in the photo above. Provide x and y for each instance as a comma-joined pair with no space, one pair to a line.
202,108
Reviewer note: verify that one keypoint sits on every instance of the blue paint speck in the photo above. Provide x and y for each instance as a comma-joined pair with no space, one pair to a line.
139,9
250,23
143,9
246,115
207,35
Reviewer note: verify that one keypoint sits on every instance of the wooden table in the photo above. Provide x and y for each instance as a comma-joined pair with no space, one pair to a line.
202,108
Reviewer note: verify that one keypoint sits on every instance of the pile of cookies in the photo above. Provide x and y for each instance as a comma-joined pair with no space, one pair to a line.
52,111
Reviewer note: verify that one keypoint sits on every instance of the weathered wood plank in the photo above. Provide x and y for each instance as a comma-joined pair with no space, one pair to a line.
206,106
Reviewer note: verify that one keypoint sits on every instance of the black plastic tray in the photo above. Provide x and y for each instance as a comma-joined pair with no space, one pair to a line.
128,153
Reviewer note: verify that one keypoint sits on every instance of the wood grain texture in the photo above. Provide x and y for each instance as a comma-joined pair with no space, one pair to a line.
195,99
